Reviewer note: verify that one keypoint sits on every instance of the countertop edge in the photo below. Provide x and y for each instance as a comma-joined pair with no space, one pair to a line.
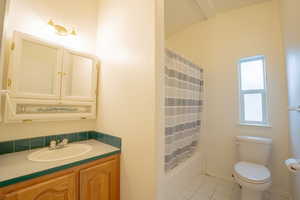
55,169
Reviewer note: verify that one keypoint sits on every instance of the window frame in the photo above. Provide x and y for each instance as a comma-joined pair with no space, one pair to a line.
264,94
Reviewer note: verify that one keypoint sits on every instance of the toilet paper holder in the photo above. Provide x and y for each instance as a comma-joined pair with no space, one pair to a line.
293,164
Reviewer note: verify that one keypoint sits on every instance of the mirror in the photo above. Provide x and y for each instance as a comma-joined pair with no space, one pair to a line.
38,64
79,77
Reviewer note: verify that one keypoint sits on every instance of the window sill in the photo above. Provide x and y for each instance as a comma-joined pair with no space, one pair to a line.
257,125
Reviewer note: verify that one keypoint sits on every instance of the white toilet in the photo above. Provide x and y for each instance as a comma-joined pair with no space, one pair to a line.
251,171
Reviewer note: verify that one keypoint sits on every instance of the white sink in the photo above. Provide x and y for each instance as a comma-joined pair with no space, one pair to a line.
67,152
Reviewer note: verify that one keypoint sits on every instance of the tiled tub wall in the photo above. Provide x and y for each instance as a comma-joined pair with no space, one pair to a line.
183,108
38,142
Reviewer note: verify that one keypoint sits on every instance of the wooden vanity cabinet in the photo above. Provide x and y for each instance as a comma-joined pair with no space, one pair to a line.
61,188
97,180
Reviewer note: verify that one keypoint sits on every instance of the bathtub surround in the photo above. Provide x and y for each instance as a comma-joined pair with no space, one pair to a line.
217,44
183,107
39,142
181,179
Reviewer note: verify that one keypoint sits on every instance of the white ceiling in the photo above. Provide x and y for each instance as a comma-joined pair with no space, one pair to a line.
182,13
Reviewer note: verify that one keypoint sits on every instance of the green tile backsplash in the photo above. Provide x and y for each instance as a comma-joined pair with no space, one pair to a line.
7,147
22,145
38,142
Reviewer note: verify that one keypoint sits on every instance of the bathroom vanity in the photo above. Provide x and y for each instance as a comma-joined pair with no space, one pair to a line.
92,176
95,180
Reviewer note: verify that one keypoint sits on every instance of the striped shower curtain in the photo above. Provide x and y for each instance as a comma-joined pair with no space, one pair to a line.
183,108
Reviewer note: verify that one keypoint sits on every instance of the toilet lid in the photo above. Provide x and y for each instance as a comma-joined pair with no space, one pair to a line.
252,173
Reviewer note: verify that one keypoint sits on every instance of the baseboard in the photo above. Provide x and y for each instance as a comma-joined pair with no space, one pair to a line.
229,179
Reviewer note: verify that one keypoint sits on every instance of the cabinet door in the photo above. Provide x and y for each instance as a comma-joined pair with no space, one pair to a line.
62,188
79,76
35,68
100,182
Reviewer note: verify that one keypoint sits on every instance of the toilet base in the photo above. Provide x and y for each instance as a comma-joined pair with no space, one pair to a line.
251,194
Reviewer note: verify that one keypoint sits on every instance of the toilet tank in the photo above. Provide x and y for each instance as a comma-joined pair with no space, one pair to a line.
254,149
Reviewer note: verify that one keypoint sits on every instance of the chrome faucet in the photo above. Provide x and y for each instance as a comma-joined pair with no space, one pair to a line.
56,144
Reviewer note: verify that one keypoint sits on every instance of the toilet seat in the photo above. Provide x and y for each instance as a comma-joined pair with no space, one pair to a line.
252,173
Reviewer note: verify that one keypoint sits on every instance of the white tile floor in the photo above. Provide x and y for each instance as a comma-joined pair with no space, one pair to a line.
210,188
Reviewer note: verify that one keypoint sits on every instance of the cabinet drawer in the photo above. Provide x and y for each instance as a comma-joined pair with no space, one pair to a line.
62,188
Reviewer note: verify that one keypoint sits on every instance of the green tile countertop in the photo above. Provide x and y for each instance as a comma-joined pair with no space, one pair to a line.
15,167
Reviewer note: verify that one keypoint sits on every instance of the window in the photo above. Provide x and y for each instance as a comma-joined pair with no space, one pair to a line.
253,91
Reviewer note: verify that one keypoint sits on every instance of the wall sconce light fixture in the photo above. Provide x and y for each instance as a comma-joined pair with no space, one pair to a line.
61,30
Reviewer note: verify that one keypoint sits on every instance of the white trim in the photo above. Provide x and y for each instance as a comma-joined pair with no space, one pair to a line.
4,92
264,95
11,116
258,125
3,47
10,106
94,77
294,108
15,66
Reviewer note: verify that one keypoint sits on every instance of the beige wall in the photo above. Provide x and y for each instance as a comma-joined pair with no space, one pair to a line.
291,32
127,90
217,44
31,16
2,14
